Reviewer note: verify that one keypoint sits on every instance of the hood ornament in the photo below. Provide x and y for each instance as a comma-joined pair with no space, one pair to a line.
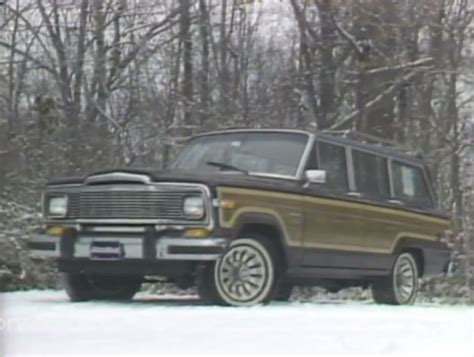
117,176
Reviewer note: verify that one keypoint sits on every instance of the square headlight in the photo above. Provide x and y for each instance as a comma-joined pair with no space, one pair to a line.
57,206
193,207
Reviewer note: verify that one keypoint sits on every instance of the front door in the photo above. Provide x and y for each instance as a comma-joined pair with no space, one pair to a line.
332,220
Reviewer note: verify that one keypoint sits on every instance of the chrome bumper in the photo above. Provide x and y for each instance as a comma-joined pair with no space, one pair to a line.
44,246
96,248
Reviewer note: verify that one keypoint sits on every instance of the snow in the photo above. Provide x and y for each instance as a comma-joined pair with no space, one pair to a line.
46,323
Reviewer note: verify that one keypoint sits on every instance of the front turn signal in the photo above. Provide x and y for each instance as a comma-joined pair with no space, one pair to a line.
196,233
228,203
56,231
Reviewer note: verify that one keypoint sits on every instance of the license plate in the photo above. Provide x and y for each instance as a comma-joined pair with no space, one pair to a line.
106,250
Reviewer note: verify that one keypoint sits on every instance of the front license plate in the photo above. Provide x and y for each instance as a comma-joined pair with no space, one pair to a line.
106,250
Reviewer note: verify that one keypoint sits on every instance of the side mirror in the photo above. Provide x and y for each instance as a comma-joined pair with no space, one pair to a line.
316,176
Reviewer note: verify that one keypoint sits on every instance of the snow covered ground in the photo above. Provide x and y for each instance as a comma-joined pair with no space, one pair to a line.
45,323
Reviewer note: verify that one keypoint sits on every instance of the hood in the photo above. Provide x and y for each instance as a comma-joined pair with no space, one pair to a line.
212,179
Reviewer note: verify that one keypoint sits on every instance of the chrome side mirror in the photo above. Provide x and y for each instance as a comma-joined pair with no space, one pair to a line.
316,176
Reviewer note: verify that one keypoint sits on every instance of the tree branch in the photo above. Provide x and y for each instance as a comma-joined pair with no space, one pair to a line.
348,119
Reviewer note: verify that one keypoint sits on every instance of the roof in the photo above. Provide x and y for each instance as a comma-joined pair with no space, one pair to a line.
240,130
352,139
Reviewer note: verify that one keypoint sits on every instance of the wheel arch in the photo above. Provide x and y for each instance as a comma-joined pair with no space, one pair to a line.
416,248
267,226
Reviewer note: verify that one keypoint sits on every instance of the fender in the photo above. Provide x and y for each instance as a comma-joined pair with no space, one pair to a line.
432,253
269,224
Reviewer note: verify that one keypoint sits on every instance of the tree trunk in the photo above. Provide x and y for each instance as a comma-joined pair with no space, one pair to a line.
204,75
187,43
328,65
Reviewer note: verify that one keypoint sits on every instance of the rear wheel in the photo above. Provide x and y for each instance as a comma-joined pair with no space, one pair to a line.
401,287
82,287
245,275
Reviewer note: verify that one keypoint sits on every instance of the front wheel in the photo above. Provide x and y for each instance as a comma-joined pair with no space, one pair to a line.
245,275
82,287
401,287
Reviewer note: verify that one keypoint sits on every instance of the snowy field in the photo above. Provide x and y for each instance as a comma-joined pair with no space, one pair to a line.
45,323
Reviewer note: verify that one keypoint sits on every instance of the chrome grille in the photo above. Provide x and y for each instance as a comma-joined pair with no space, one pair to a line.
133,204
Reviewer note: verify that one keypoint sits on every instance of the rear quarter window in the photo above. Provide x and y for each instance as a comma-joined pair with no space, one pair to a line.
410,186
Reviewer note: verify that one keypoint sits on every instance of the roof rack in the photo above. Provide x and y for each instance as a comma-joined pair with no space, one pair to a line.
372,139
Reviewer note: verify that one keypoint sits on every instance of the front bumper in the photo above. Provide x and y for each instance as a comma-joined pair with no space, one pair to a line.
112,246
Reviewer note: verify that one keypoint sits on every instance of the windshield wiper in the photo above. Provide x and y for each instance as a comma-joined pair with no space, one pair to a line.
223,166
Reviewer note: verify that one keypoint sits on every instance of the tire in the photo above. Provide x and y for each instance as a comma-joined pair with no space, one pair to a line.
206,288
245,275
283,293
401,286
82,287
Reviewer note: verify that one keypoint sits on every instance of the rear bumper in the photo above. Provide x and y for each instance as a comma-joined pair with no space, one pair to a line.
114,247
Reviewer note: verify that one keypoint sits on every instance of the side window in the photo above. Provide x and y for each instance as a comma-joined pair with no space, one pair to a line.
371,174
409,185
332,158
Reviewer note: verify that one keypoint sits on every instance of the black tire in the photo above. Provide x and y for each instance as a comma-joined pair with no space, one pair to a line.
82,287
206,288
283,293
401,286
245,275
76,286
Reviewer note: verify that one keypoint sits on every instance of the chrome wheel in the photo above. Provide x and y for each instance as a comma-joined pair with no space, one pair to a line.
245,274
401,286
405,279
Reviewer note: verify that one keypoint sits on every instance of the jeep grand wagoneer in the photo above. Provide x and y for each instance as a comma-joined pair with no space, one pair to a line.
247,214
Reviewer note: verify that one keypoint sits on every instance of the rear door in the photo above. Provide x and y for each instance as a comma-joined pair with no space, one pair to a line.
379,224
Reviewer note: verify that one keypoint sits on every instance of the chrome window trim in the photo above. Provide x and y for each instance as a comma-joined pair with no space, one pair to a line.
305,157
390,178
280,176
350,170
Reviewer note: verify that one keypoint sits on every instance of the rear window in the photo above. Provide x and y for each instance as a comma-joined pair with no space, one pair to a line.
409,185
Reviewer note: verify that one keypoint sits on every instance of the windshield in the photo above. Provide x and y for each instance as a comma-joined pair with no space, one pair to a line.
257,153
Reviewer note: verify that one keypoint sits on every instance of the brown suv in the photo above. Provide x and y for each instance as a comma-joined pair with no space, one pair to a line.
246,215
